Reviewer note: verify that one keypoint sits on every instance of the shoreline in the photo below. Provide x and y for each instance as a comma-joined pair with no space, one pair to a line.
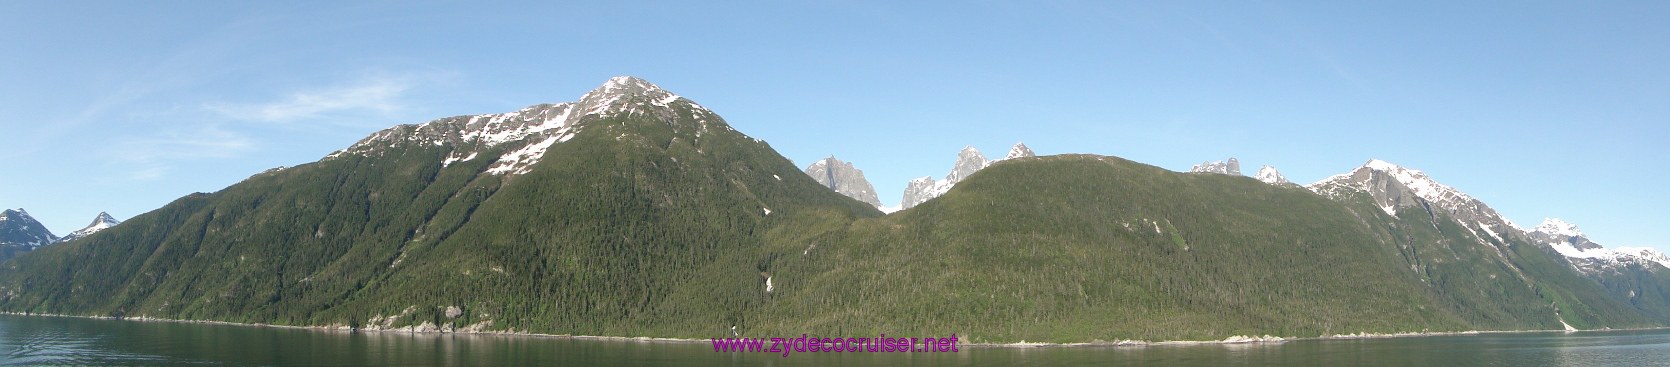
1230,341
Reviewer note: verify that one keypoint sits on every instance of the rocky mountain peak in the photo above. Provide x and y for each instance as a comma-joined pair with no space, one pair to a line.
969,160
1269,175
1393,187
1424,186
1558,227
1229,167
1377,164
20,231
1019,151
105,218
625,85
101,222
843,178
623,93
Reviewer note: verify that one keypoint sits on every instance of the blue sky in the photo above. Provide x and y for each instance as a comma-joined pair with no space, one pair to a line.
1539,108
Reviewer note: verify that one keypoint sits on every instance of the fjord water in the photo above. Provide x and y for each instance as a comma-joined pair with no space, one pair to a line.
37,340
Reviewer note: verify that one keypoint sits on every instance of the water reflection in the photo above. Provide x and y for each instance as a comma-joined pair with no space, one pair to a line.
75,341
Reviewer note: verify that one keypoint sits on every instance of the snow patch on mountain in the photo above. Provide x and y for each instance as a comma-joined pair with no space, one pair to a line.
454,158
522,160
1487,230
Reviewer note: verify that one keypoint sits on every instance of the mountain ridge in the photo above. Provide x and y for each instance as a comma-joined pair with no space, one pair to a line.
634,212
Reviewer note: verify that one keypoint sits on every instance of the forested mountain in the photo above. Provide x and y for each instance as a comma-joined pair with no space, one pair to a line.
636,212
632,211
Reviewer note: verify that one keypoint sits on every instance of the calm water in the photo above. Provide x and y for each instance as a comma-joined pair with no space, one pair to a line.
74,341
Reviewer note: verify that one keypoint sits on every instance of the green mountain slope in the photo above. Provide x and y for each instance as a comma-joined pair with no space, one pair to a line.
635,212
646,221
1076,248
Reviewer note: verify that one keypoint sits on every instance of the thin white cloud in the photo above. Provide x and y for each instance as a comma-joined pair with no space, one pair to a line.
380,95
153,157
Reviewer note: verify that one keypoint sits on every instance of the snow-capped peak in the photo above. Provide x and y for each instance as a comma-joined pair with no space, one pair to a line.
104,219
1555,226
1019,151
627,82
1376,164
1393,186
1269,175
17,228
620,93
100,223
622,86
1423,185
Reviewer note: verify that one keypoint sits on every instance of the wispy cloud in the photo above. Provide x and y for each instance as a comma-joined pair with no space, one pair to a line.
377,95
153,157
226,134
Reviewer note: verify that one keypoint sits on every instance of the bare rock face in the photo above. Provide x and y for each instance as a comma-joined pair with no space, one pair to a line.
845,179
969,160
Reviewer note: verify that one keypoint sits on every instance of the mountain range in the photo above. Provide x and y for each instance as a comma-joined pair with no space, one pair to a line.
969,160
20,232
634,211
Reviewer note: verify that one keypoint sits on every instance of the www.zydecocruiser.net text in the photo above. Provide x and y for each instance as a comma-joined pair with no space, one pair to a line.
805,344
